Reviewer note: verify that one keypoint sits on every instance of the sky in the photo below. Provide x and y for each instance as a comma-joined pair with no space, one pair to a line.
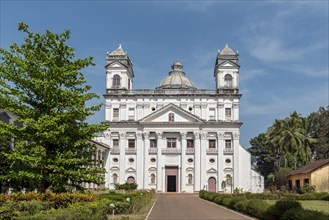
283,46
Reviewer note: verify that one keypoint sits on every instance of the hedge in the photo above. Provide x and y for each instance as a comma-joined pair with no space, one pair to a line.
254,205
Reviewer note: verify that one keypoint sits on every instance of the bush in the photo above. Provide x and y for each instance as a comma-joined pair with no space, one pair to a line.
308,196
241,206
226,202
235,200
302,214
280,207
325,197
126,186
257,208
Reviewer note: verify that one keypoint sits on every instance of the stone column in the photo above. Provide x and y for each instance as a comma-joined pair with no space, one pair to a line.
146,159
122,159
220,162
183,162
140,159
159,177
197,161
203,154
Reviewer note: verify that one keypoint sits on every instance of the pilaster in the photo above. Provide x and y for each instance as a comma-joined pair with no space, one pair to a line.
197,162
220,162
159,177
122,160
203,154
146,159
183,162
140,159
236,165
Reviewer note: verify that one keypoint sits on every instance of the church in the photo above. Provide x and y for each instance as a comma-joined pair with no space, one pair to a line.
176,137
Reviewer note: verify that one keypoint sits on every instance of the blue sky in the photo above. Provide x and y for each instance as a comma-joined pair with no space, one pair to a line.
283,46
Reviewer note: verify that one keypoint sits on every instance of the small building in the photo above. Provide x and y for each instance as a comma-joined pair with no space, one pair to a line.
312,174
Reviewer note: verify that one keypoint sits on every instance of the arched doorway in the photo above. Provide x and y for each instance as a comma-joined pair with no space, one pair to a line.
130,179
212,184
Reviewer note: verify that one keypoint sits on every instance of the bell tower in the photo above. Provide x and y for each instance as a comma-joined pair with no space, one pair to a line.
226,71
119,70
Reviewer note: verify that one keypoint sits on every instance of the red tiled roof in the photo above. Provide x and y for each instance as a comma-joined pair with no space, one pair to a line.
310,167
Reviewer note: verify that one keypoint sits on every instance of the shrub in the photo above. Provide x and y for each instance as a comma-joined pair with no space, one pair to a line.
257,208
302,214
280,207
235,200
308,196
126,186
241,206
325,197
226,201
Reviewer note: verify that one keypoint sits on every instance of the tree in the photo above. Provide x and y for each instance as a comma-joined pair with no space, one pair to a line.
290,139
41,83
318,127
263,157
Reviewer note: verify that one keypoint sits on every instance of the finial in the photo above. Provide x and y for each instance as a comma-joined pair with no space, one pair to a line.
237,51
120,46
218,51
226,45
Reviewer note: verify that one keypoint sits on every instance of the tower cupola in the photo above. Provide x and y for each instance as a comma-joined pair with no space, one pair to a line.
119,70
226,71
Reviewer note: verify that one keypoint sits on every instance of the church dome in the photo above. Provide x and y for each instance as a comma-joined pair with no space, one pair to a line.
227,51
176,78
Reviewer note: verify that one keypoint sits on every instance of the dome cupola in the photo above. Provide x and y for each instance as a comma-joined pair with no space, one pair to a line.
176,78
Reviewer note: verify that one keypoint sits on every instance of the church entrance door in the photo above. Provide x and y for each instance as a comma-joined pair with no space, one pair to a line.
171,179
212,184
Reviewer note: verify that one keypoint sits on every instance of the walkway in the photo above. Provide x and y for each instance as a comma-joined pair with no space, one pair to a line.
189,206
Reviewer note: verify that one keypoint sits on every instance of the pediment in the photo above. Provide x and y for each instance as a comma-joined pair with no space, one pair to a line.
130,170
212,170
115,168
116,64
228,63
152,169
162,115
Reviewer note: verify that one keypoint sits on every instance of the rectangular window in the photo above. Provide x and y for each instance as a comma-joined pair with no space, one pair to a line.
211,114
115,143
131,114
228,113
171,142
212,143
153,143
297,184
306,182
131,143
228,144
115,114
190,143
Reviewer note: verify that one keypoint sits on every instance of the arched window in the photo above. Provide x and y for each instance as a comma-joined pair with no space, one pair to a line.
190,179
228,81
228,180
115,178
152,178
171,117
116,81
130,179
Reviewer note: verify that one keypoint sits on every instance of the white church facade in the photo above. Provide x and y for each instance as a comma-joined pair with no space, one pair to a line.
176,138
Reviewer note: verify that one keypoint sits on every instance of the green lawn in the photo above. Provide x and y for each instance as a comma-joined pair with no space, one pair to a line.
318,205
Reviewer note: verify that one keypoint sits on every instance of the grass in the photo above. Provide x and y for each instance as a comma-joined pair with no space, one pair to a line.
318,205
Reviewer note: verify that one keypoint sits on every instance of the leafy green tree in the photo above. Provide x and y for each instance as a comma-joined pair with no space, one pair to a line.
263,157
318,127
42,84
